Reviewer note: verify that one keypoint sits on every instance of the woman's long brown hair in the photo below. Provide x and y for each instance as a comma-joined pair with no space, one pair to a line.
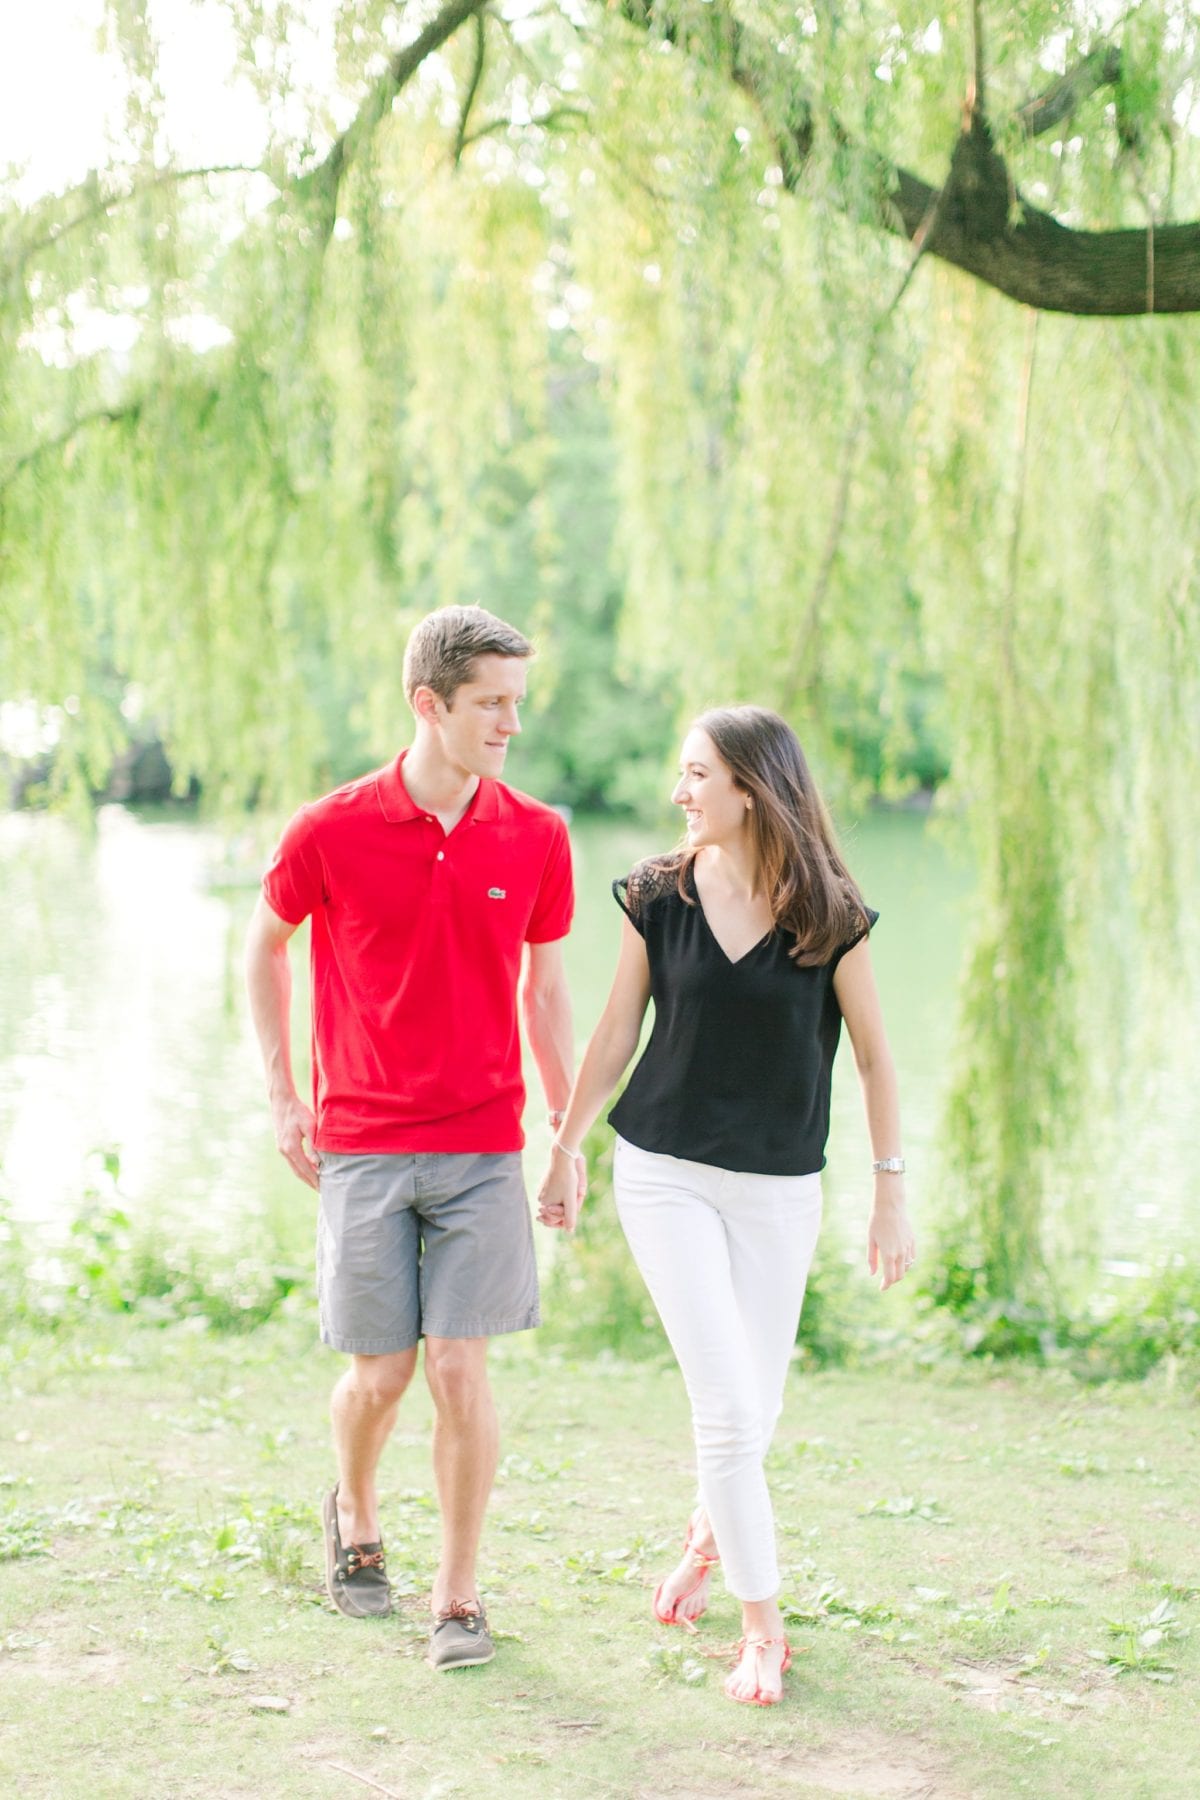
811,892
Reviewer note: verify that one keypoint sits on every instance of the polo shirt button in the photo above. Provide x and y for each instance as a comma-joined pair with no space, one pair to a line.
441,856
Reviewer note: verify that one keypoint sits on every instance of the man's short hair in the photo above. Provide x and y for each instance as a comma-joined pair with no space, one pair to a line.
442,649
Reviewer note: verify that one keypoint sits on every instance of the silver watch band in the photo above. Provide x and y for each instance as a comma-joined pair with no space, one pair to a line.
888,1165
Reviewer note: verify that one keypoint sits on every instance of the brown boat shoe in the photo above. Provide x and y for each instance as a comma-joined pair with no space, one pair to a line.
355,1575
460,1637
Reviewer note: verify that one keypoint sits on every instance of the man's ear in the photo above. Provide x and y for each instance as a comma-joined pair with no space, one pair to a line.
427,705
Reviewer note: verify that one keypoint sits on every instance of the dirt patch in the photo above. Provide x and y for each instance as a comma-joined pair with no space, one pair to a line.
1097,1546
872,1766
1010,1690
60,1663
863,1765
989,1689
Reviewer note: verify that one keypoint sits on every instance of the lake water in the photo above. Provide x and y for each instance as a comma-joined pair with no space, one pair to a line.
123,1023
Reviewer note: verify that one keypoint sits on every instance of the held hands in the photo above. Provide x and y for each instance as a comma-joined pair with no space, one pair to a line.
562,1192
891,1246
295,1128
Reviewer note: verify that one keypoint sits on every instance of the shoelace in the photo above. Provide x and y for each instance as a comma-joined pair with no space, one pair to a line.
357,1559
460,1609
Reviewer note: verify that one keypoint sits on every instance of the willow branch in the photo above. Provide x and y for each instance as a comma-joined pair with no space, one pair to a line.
986,228
543,122
327,175
399,72
102,415
976,102
1099,69
1024,397
106,204
472,88
792,681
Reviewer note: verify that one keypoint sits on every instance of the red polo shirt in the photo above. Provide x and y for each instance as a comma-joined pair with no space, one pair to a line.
416,950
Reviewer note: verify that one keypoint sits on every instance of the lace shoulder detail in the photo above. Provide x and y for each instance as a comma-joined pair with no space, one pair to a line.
864,923
645,883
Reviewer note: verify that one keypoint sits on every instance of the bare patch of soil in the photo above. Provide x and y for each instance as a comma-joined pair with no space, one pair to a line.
864,1765
1010,1690
60,1662
871,1766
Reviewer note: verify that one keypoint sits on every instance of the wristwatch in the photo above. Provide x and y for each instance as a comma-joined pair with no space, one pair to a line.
555,1119
888,1165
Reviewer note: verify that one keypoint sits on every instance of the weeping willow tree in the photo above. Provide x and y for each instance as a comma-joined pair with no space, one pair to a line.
886,324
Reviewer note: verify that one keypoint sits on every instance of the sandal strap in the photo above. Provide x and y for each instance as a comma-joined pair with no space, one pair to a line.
701,1561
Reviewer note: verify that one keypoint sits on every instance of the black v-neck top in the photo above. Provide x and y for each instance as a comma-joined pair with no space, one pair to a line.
738,1066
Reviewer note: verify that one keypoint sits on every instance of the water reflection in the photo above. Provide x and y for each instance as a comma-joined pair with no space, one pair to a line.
123,1024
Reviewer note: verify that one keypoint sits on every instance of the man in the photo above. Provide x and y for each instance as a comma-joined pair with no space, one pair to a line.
433,890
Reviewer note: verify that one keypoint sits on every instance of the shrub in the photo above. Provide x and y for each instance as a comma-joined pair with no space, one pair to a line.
108,1263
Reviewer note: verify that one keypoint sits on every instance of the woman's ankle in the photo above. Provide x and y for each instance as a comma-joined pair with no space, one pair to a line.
762,1619
700,1534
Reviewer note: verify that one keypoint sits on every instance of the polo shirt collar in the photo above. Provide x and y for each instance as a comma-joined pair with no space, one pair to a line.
398,806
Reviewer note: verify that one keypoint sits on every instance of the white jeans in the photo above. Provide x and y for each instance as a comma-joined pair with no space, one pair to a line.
725,1257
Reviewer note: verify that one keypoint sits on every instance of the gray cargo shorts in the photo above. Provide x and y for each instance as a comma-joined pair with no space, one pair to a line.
425,1245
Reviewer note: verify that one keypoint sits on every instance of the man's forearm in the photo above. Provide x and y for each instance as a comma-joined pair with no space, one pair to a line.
551,1038
269,987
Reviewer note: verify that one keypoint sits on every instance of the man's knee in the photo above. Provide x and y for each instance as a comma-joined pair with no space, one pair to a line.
381,1380
456,1370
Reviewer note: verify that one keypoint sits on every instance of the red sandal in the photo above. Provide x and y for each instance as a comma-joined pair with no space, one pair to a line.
758,1697
702,1564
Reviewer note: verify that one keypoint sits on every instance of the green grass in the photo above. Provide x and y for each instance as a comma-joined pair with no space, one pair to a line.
992,1584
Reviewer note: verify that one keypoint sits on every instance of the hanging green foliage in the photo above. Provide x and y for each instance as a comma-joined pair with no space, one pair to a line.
689,329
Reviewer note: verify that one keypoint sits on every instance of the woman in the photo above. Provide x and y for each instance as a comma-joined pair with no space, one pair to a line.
752,941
